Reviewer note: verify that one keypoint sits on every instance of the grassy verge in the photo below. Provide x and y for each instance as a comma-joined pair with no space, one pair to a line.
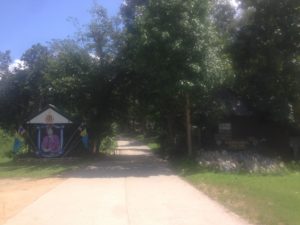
37,168
6,143
30,168
151,142
261,199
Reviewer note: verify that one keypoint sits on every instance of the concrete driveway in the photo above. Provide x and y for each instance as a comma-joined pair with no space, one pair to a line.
132,188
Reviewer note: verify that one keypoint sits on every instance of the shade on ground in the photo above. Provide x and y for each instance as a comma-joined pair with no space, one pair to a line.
131,188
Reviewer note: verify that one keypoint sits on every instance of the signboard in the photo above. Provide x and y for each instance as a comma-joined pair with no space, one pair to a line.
49,119
225,127
49,116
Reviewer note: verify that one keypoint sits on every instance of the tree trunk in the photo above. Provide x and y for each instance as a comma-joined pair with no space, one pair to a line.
188,125
170,123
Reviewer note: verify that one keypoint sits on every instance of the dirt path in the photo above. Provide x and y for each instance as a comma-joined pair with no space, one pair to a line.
132,188
15,194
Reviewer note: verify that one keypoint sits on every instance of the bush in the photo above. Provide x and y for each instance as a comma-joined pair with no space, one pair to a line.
108,144
241,161
6,143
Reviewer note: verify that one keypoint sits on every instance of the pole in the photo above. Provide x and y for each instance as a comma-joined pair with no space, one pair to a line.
39,138
61,138
69,141
188,125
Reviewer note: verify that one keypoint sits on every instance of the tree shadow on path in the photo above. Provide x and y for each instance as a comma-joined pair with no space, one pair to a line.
131,160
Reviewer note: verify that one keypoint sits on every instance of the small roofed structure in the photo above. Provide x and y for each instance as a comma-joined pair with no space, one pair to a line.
50,124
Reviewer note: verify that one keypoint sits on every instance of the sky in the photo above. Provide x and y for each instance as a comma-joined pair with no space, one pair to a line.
27,22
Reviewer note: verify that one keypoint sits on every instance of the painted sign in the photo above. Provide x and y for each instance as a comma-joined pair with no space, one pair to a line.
224,127
49,116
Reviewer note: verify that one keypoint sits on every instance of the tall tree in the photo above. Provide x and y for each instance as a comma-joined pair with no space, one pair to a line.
223,14
36,61
103,34
5,61
130,10
174,51
266,53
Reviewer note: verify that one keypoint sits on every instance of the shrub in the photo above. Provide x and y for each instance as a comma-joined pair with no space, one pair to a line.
6,142
108,144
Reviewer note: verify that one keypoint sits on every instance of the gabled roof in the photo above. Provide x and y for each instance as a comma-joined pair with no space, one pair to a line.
50,115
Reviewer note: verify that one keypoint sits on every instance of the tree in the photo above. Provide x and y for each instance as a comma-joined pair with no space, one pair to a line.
130,10
103,34
36,61
159,69
14,100
223,15
76,77
5,61
81,84
266,53
174,48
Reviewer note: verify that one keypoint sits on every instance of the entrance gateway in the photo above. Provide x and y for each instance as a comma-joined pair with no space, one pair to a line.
50,124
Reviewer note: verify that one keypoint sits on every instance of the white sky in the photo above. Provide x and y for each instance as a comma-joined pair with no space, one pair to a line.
235,3
17,64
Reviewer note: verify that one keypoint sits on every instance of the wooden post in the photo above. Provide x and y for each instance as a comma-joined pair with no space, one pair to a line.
188,125
39,138
61,138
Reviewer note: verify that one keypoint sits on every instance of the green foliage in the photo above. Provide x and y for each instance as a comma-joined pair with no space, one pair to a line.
22,92
138,71
155,147
6,144
103,35
63,73
223,14
131,10
71,76
108,144
265,55
108,141
114,129
152,142
173,48
5,60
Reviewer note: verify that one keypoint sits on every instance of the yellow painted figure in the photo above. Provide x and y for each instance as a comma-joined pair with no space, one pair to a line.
84,137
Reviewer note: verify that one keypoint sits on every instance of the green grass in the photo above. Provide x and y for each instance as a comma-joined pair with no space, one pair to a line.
261,199
154,146
30,168
151,142
36,168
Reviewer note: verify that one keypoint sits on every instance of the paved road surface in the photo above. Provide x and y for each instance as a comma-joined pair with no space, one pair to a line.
132,188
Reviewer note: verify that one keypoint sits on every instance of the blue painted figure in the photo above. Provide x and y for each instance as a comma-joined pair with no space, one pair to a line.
18,142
